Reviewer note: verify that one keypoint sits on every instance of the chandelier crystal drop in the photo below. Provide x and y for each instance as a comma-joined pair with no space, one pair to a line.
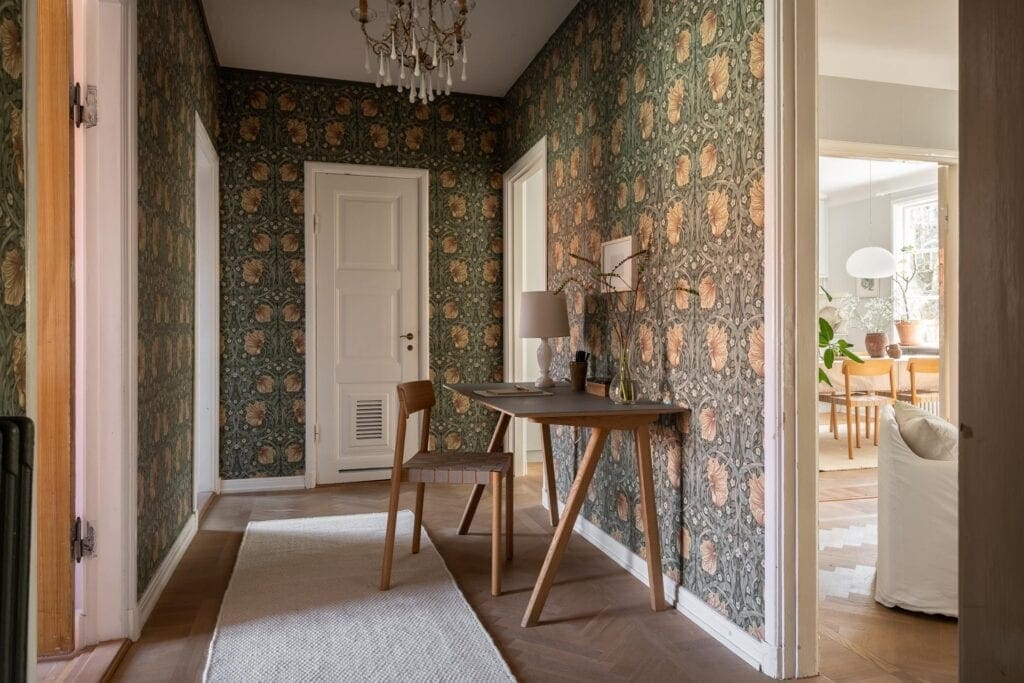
423,41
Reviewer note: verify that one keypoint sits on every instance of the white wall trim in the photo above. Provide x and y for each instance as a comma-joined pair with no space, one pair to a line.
535,159
163,574
758,654
262,484
312,169
871,150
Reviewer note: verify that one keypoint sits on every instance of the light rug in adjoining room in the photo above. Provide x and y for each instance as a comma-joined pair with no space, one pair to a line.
303,605
833,454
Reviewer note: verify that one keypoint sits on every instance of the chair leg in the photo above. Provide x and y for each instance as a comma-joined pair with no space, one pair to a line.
849,432
496,534
856,424
417,522
389,539
509,514
867,421
835,423
832,419
877,409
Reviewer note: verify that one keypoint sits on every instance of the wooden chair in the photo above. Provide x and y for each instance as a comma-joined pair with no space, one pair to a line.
437,467
920,366
854,401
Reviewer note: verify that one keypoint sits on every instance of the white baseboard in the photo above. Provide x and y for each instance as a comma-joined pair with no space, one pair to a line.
262,484
138,616
756,653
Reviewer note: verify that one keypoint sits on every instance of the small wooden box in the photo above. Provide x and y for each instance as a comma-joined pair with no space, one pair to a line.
598,387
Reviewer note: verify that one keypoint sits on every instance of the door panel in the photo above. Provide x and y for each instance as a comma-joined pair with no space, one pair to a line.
367,300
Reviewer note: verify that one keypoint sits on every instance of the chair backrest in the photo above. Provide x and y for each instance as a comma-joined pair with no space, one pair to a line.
924,366
413,397
875,367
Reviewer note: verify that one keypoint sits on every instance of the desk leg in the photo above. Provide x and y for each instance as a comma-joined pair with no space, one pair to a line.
496,446
549,473
650,515
598,436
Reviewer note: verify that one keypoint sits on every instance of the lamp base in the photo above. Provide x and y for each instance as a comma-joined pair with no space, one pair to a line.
544,381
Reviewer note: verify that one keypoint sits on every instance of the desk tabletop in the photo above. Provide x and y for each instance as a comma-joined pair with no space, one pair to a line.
563,402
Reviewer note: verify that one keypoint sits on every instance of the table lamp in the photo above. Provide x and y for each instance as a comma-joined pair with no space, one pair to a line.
543,315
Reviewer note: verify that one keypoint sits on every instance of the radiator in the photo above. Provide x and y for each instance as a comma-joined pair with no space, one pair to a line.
16,446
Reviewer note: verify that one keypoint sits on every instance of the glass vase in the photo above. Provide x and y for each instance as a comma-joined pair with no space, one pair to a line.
623,389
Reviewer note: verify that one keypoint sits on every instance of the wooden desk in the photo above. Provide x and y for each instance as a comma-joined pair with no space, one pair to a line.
578,409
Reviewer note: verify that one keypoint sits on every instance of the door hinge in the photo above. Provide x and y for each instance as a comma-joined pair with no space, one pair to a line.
84,112
83,540
316,433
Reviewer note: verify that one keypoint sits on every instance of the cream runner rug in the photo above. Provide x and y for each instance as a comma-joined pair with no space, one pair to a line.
303,605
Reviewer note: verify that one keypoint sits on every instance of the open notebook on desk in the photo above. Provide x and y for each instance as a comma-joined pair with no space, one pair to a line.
515,390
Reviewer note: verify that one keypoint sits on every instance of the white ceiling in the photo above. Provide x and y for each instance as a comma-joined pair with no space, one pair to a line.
912,42
320,38
842,180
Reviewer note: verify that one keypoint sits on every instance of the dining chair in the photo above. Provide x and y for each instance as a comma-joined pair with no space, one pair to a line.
438,467
854,401
916,395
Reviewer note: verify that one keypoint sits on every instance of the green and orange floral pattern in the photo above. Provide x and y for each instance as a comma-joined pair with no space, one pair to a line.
654,116
271,125
177,77
12,211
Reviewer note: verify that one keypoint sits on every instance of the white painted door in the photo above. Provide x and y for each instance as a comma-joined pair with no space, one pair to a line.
206,426
367,313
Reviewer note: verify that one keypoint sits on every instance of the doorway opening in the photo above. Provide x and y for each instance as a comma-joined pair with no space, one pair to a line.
206,433
885,503
526,269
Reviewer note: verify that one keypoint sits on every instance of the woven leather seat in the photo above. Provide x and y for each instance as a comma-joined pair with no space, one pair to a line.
437,467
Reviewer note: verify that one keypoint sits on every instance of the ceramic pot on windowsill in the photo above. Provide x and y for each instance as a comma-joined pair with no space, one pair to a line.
909,332
875,343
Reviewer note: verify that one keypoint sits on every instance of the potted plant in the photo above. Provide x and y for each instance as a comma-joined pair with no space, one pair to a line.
908,328
875,316
829,347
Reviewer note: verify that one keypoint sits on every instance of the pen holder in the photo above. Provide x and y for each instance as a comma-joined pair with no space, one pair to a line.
578,375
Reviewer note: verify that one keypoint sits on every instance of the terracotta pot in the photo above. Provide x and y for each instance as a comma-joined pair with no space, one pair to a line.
893,351
875,343
909,332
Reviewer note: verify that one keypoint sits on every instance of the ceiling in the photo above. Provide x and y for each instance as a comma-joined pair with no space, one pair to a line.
320,38
842,180
911,42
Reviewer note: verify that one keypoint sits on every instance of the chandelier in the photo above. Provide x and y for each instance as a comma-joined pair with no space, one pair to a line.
424,39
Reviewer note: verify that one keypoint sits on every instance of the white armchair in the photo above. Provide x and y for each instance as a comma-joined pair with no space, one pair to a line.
917,526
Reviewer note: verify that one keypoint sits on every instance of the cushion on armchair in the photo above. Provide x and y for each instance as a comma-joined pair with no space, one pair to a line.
929,436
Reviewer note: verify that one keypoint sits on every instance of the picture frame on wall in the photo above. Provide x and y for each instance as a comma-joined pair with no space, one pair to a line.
614,255
867,287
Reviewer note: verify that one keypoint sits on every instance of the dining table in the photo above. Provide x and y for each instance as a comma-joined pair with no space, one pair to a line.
561,405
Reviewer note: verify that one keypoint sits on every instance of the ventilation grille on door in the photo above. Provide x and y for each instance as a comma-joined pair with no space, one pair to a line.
369,420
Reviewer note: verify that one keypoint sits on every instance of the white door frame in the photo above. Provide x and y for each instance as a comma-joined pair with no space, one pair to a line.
206,428
534,160
791,261
312,169
109,361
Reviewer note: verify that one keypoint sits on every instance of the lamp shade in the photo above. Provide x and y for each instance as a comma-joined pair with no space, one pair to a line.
871,262
543,315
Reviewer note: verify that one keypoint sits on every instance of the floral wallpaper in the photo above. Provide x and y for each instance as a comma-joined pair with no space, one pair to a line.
654,113
177,77
270,125
12,212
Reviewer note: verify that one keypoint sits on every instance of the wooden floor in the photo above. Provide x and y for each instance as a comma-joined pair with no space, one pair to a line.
596,625
861,640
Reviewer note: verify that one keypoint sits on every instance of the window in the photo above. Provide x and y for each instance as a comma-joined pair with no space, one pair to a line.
916,247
